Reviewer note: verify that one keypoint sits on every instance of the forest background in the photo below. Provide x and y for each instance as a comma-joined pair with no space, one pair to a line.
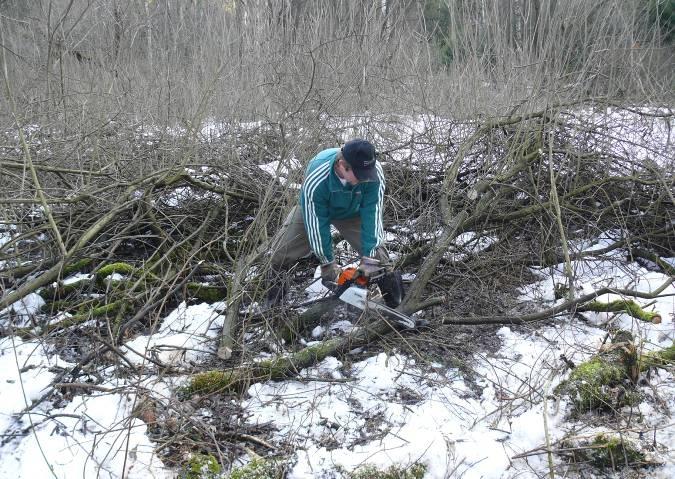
76,67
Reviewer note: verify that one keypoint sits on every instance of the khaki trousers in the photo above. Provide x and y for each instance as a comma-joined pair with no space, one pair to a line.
291,243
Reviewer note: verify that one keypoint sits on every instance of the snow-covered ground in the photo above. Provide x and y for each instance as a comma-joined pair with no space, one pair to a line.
93,435
389,409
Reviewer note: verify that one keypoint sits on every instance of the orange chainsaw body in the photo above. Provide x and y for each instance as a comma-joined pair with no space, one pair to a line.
352,275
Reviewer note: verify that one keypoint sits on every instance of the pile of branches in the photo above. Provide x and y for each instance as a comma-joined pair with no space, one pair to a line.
475,206
144,229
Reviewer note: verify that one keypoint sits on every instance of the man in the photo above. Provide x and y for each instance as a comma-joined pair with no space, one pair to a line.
343,187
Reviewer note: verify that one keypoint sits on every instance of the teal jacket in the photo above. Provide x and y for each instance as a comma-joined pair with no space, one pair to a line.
323,198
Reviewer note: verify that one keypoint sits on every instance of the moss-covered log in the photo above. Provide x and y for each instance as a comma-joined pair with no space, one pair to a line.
206,292
77,266
294,326
607,451
606,381
85,308
69,306
100,311
240,378
629,307
125,269
60,291
664,357
96,283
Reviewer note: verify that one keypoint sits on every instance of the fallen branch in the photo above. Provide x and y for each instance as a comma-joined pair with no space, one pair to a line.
240,378
551,312
622,306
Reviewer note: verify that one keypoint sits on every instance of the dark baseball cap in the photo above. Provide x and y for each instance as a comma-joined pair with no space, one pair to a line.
360,154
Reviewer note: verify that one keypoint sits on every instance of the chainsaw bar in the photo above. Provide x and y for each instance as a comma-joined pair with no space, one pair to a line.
358,297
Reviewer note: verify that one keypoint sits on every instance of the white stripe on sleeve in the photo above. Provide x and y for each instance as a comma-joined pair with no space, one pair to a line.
311,183
379,227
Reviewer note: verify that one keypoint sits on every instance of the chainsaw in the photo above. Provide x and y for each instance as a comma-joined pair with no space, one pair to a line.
353,288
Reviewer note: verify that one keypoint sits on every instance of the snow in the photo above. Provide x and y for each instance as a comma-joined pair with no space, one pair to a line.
76,278
91,436
389,409
641,138
7,235
24,309
98,438
470,243
19,389
589,276
182,194
281,170
184,336
448,430
316,290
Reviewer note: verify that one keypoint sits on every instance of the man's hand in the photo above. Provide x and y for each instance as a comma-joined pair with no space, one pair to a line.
369,266
330,273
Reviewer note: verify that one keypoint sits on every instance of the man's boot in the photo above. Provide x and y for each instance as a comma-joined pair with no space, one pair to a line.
391,286
391,282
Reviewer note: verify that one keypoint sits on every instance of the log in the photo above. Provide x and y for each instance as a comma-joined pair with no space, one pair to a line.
663,358
207,293
606,451
238,379
569,305
291,328
622,306
100,311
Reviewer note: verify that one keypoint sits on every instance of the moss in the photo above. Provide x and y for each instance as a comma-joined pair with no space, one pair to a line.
259,469
77,266
591,380
112,268
663,357
206,293
606,381
608,451
667,354
85,313
99,311
61,305
239,379
279,367
625,306
202,466
124,269
212,381
416,471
